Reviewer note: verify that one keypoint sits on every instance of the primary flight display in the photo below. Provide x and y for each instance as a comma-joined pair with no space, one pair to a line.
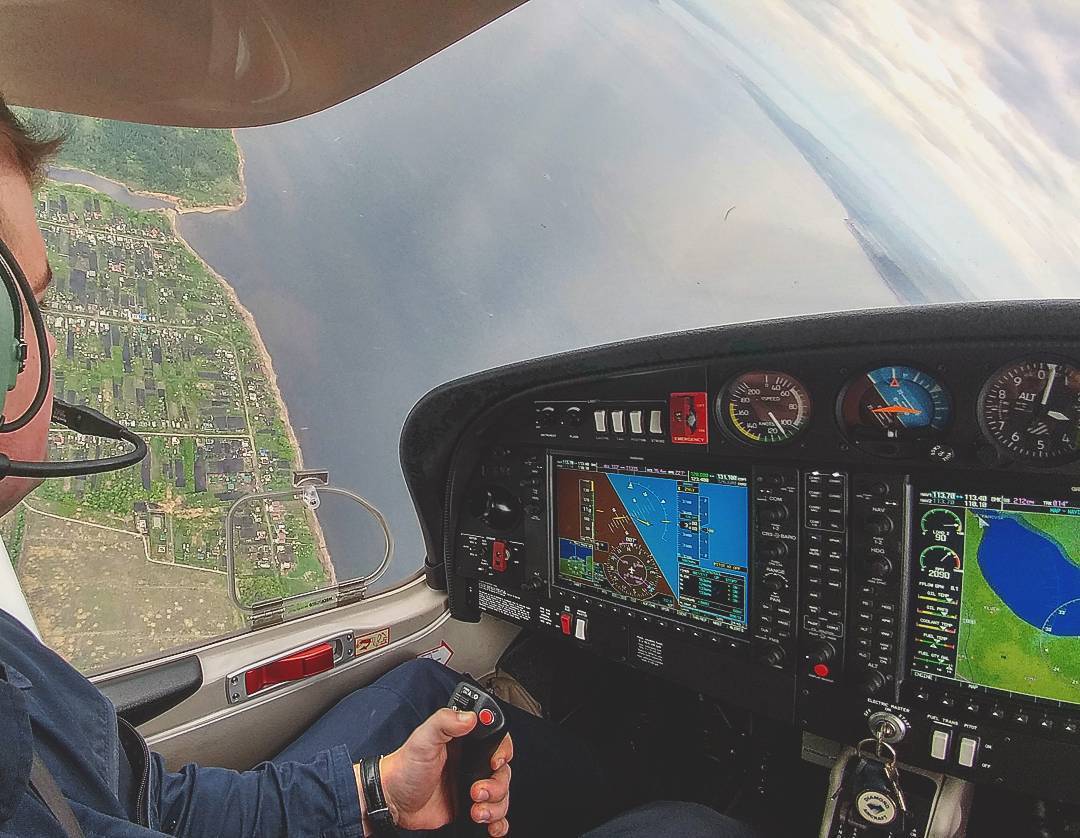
997,592
664,539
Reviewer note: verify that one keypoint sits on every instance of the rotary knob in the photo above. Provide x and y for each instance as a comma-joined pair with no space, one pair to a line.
772,512
773,582
774,550
879,524
878,566
771,654
870,682
821,653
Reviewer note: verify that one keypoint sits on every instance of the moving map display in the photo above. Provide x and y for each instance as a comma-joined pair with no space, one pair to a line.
665,539
997,592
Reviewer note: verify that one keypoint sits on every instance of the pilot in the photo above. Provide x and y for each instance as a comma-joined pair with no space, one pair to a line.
70,767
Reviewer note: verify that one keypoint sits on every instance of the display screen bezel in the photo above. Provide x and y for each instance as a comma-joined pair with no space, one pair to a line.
558,583
1064,489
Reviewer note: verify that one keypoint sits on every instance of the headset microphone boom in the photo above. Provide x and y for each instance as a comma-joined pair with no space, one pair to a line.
13,355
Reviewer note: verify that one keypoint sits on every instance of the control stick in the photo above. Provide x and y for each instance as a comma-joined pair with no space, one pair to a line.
477,749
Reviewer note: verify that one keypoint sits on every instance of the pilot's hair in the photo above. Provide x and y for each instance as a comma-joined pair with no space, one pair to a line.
29,151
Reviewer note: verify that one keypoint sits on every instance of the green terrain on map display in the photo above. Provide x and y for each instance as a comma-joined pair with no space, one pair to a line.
997,648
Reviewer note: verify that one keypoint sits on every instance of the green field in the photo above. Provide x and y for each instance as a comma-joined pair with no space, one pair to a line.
996,648
200,166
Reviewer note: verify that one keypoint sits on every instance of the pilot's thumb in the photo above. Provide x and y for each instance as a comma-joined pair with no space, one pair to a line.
447,724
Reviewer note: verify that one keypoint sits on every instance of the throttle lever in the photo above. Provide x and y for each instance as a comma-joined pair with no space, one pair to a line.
477,749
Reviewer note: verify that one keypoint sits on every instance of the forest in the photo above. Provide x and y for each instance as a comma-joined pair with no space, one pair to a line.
199,166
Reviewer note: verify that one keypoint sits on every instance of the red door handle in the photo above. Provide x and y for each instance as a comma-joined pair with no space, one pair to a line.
302,664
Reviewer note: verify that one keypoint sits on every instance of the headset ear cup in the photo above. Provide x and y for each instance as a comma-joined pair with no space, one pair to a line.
13,353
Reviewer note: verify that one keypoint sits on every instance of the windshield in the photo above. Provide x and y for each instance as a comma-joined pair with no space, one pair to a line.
577,173
581,172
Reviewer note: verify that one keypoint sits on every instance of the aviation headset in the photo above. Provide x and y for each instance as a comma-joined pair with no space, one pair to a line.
13,354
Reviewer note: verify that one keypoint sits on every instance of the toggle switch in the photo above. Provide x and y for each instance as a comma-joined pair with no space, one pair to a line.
655,420
500,553
579,628
635,422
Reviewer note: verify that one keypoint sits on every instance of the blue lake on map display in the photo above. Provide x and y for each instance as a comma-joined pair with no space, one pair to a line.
1030,572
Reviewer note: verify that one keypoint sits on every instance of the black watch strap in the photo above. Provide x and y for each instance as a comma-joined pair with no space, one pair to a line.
378,813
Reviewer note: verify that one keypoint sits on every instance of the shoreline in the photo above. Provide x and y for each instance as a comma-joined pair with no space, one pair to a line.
173,214
271,377
168,197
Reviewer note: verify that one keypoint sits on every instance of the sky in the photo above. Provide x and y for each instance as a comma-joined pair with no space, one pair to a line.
964,114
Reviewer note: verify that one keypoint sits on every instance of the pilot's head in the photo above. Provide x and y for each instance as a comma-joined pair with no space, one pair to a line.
22,160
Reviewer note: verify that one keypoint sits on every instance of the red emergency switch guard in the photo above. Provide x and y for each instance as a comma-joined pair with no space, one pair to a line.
302,664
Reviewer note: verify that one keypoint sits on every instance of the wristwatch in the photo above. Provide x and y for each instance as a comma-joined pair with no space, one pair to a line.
378,813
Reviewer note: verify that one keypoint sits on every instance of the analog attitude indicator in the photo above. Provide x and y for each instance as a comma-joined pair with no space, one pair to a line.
1032,410
895,403
764,406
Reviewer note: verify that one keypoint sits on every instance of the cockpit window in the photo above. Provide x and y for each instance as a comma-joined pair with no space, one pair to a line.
571,174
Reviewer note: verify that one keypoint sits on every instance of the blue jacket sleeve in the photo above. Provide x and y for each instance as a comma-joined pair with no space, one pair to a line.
317,799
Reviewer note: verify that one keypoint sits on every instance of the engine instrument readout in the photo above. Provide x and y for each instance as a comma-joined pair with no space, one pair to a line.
996,595
665,539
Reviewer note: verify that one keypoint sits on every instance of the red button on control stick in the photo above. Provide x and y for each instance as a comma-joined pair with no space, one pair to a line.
821,670
485,716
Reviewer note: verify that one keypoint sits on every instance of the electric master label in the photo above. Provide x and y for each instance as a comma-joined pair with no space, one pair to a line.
647,650
498,601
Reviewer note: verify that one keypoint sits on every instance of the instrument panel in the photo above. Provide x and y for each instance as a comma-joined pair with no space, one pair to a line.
815,529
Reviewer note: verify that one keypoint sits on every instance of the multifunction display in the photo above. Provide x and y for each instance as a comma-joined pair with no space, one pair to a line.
669,540
996,593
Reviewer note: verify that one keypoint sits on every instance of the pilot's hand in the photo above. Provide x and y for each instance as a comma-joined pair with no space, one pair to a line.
418,782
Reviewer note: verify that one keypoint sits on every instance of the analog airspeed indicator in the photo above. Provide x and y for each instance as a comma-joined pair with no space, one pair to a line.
763,407
1031,410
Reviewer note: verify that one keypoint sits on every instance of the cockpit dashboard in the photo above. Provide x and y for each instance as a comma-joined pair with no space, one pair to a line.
820,520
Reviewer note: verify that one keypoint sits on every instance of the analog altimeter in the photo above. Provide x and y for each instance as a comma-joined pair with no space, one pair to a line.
1031,410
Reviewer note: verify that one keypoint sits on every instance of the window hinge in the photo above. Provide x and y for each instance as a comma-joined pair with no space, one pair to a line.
351,591
268,613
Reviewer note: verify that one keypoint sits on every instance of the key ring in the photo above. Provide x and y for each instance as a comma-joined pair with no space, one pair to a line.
879,746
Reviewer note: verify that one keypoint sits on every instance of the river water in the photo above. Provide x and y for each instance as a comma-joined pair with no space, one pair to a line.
114,190
556,180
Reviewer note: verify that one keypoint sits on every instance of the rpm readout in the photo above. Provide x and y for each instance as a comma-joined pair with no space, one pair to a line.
895,403
1032,410
762,407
